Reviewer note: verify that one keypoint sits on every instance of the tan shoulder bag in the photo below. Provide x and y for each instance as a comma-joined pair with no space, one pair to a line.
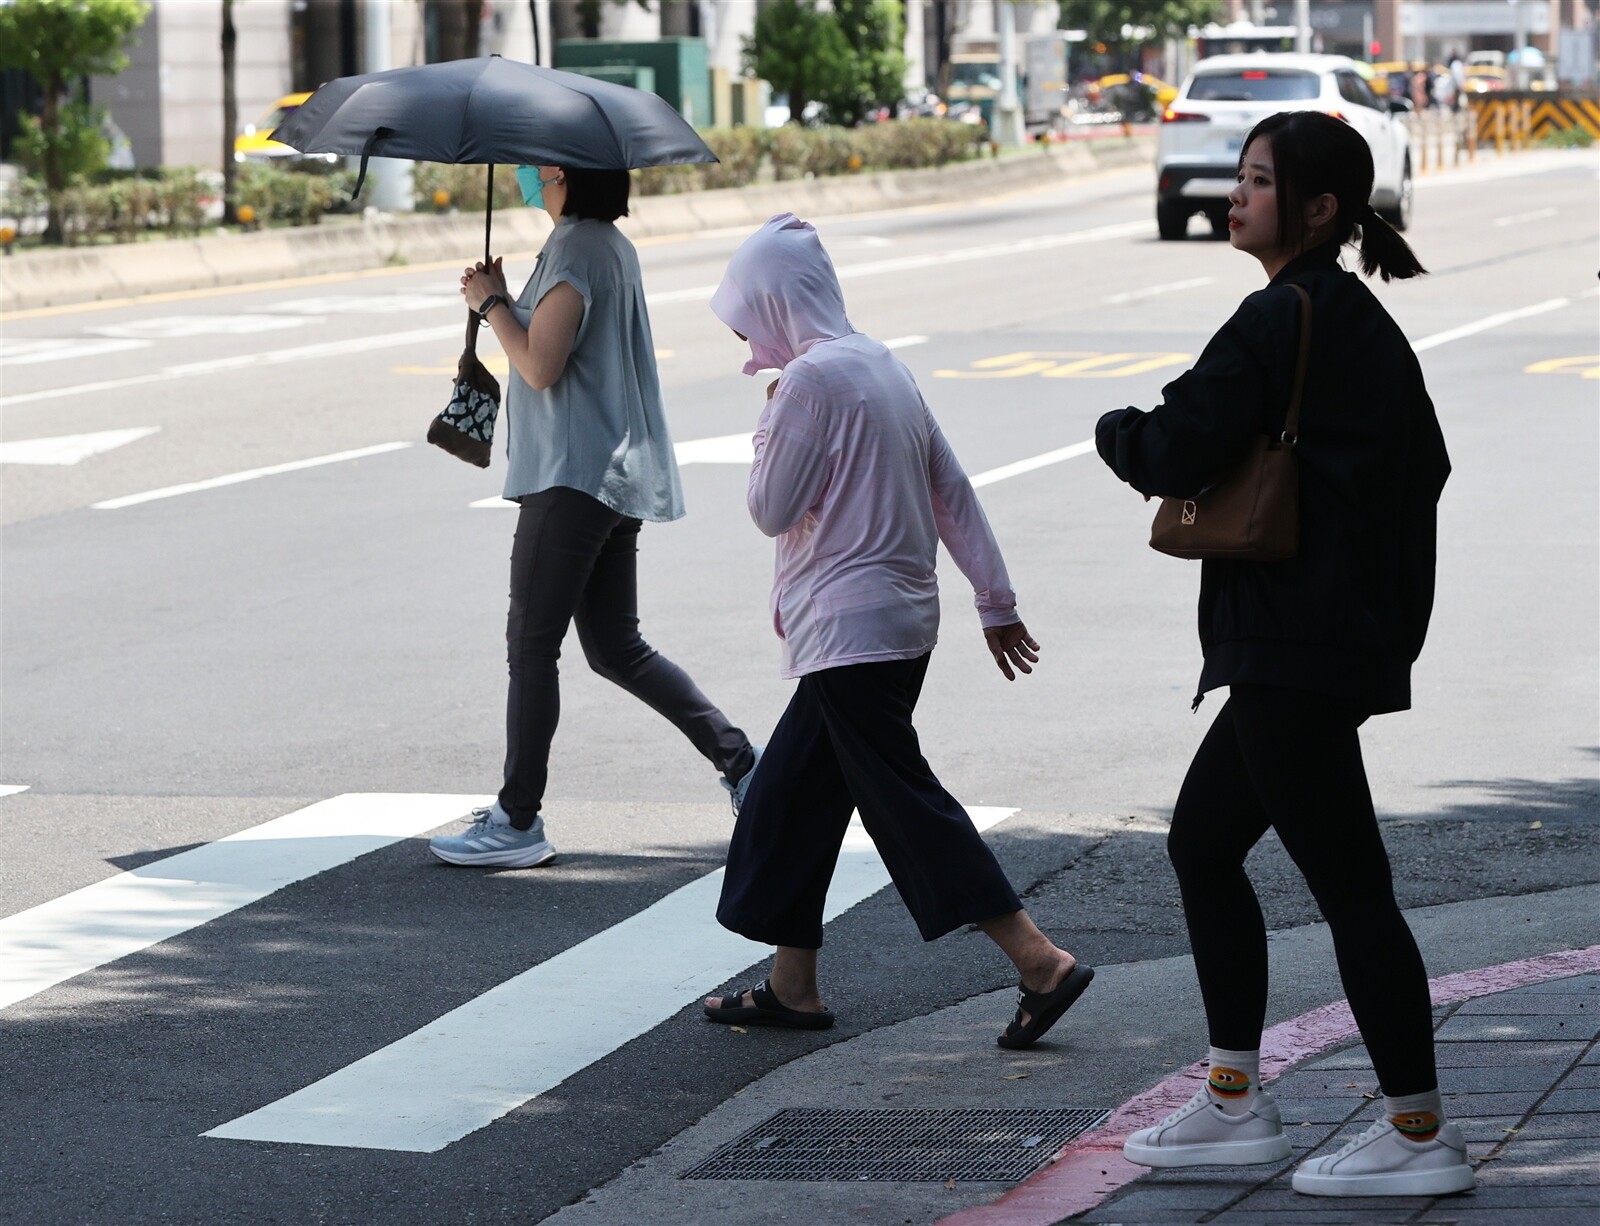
1252,514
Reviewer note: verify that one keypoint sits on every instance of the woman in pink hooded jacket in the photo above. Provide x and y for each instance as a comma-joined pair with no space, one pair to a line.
855,480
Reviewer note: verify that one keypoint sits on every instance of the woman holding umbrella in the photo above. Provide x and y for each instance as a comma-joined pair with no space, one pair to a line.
589,459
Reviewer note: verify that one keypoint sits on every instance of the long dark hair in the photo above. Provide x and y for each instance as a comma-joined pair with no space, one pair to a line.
1314,154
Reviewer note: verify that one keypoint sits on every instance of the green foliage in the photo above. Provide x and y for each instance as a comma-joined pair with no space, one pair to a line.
877,67
794,152
56,41
127,206
801,52
80,147
1568,138
468,186
1104,20
291,196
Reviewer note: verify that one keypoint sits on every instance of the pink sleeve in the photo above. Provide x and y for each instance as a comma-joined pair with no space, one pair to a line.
791,465
965,531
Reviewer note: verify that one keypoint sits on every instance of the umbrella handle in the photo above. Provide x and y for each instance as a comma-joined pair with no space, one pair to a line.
488,216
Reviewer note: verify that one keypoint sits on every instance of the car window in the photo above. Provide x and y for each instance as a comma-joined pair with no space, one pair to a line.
1353,89
1254,85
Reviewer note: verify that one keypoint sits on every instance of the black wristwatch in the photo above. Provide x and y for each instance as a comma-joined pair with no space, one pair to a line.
489,303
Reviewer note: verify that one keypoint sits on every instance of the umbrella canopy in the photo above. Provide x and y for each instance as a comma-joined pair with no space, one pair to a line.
493,110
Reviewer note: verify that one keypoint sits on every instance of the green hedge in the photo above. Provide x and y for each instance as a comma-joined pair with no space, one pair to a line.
294,197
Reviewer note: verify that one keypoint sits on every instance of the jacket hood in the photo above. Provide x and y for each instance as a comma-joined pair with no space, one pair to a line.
781,292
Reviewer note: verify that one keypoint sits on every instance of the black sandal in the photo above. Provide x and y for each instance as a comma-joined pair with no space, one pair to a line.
767,1010
1044,1009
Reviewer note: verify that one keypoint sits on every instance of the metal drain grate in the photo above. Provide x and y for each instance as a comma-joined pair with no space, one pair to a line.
976,1144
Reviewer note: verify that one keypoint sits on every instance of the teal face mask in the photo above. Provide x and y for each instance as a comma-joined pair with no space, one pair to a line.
532,186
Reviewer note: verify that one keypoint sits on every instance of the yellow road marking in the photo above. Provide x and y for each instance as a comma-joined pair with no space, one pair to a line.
1065,365
1587,367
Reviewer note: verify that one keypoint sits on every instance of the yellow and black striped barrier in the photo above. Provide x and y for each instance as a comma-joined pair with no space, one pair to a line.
1519,117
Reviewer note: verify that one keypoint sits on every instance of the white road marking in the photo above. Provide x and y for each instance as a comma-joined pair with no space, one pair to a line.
434,1086
1517,219
177,327
1027,466
57,940
722,449
211,483
70,448
1491,321
701,293
24,351
11,789
1155,291
368,304
905,342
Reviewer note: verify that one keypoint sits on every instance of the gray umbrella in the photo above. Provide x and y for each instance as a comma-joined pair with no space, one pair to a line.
492,110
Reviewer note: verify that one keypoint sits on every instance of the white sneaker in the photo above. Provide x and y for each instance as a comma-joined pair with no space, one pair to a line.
1201,1133
1382,1162
492,841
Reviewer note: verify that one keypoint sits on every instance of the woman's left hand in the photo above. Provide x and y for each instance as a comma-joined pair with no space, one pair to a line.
1012,645
481,280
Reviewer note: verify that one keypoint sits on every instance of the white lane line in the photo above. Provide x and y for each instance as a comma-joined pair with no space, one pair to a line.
66,449
905,342
11,789
722,449
23,351
1492,321
434,1086
1028,465
1517,219
1155,291
57,940
271,357
699,293
211,483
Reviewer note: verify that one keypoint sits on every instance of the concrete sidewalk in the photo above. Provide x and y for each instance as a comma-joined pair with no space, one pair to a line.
1522,1074
1518,984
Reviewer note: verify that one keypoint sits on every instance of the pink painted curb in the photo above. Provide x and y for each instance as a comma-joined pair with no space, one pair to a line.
1092,1167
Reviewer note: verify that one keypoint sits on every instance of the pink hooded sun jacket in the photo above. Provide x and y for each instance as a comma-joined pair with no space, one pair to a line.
851,472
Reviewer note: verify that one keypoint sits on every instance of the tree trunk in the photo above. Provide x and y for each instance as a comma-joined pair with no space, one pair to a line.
230,113
458,28
54,180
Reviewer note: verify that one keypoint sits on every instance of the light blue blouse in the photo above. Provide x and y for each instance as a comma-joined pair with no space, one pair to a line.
601,429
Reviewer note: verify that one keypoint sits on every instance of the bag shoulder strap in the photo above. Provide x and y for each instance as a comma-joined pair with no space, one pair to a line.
1291,420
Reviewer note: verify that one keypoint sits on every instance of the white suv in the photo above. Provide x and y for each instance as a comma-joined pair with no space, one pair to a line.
1203,131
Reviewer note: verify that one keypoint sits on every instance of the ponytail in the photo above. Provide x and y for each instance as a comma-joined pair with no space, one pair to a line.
1315,154
1383,251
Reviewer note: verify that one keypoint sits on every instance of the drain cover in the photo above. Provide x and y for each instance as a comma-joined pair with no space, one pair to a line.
899,1146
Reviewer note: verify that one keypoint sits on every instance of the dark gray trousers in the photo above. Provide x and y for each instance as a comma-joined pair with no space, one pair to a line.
574,559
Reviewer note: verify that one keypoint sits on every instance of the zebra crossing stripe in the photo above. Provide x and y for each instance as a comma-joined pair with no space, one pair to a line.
435,1086
51,943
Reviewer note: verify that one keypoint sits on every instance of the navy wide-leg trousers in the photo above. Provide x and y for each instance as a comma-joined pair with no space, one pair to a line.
845,743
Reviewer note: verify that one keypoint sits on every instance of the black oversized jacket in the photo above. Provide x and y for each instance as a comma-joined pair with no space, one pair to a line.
1348,615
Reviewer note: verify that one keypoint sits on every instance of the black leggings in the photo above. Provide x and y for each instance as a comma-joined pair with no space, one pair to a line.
1292,760
575,559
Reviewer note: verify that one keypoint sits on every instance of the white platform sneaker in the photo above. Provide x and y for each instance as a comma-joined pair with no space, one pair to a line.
1382,1162
1201,1133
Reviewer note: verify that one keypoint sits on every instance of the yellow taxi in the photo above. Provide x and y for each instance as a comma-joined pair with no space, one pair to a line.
1165,92
255,143
1484,79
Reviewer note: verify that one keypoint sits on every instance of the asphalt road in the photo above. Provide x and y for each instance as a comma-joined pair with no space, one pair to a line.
182,668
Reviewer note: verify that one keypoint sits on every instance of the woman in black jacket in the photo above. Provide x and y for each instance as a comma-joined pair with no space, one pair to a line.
1308,648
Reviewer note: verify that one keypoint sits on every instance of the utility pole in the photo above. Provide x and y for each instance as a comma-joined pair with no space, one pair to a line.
391,177
1302,26
1007,114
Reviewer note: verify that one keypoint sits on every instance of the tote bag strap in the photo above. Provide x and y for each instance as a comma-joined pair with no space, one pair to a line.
1291,421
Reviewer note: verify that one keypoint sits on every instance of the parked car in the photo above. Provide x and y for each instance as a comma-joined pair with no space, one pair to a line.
1203,130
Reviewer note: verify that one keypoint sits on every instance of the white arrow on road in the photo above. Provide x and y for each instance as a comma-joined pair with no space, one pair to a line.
70,448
